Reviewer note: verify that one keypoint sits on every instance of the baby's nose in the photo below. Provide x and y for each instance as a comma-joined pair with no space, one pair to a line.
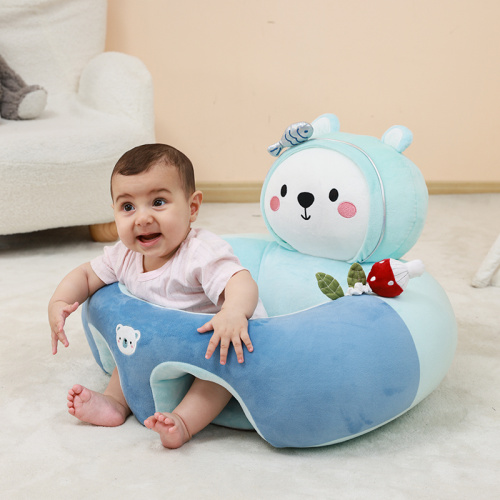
143,217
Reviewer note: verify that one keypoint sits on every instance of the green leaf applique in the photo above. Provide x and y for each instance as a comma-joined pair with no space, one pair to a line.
356,275
329,286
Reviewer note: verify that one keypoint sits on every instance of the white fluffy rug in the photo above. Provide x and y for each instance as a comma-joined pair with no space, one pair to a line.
446,447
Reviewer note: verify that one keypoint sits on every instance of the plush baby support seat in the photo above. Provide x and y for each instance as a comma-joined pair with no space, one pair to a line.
99,104
322,370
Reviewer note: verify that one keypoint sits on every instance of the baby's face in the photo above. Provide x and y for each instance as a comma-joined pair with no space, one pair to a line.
152,213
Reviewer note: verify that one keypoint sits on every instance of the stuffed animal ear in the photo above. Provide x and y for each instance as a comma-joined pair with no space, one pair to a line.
399,137
325,124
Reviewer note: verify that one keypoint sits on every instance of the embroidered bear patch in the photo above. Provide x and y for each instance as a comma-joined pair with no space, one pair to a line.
127,338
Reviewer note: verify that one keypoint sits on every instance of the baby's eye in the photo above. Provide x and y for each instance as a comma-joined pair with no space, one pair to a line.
159,202
128,207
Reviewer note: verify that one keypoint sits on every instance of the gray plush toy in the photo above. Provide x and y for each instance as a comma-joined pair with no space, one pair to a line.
19,101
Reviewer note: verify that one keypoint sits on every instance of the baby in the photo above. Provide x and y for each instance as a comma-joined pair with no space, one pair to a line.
161,259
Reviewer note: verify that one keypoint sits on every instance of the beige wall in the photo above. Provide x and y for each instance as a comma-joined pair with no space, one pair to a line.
231,75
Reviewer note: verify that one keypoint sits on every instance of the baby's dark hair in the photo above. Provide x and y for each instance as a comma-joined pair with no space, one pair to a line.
141,158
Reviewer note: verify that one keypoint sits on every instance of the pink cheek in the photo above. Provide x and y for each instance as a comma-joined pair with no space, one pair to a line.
347,210
275,203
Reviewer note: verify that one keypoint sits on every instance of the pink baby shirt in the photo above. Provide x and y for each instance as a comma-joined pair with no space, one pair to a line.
192,280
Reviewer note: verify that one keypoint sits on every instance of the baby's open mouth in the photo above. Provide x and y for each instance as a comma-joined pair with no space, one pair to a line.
144,238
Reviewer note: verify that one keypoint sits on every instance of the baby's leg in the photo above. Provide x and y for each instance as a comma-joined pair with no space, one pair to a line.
202,403
109,409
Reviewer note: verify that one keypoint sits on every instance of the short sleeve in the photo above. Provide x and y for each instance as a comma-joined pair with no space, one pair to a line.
109,265
214,265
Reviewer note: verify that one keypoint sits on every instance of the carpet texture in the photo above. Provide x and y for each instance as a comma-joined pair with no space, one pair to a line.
448,446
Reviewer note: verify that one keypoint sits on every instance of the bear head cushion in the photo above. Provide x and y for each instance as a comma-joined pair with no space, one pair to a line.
342,196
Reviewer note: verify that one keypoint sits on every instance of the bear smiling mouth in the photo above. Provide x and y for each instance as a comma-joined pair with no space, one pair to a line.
304,215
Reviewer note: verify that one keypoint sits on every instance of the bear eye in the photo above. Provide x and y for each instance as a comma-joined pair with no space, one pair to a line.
283,190
334,195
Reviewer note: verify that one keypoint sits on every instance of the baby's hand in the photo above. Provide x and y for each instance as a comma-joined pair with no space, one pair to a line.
58,313
228,326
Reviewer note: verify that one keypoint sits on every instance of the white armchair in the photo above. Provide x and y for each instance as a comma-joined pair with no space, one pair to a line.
55,169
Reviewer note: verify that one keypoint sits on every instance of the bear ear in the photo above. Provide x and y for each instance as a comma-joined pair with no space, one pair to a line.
399,137
325,124
118,328
137,334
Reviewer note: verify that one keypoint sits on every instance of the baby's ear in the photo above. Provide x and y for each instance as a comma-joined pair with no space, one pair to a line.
194,204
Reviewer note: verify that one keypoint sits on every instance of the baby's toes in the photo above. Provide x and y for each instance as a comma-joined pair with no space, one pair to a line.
77,389
150,422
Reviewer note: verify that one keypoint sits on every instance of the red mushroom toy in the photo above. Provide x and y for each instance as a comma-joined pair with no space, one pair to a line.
389,277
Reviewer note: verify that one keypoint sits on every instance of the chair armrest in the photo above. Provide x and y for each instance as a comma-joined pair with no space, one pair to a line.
118,84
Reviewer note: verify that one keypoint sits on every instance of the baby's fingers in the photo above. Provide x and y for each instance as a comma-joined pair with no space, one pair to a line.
246,340
70,309
212,345
224,348
238,348
207,327
59,336
54,343
238,342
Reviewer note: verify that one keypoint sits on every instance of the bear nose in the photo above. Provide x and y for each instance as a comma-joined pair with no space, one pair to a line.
125,342
305,199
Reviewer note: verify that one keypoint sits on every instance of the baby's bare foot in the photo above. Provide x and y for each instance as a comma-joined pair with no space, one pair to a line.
171,428
95,408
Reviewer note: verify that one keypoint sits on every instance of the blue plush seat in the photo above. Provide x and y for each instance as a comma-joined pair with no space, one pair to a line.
322,371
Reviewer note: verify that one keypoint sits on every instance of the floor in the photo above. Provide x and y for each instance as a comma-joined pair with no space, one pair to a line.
447,447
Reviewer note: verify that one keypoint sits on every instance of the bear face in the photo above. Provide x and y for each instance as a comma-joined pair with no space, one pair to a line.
317,201
344,196
126,339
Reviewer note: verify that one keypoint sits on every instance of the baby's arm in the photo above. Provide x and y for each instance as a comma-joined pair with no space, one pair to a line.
230,324
74,289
